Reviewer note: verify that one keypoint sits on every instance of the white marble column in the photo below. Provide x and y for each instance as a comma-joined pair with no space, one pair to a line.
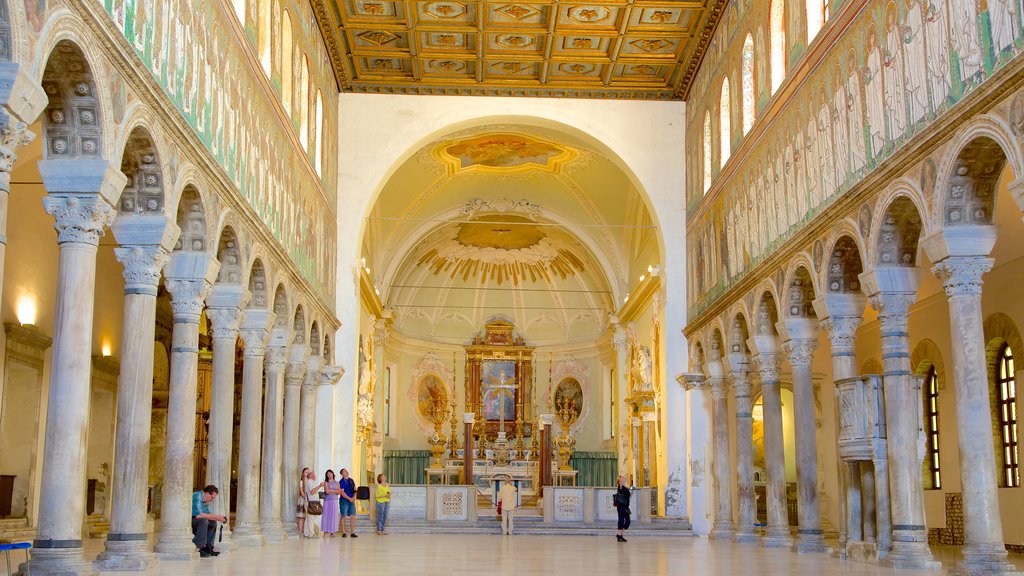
273,444
79,199
127,545
723,526
189,280
767,359
984,551
294,376
224,311
255,333
799,352
307,416
892,290
739,364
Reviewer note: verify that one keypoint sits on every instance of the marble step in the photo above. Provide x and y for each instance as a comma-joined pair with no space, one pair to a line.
534,526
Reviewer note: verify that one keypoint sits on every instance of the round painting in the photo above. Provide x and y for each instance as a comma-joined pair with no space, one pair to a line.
569,398
431,393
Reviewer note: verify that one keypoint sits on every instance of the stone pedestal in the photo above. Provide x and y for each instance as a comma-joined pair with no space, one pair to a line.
127,546
255,332
189,281
79,201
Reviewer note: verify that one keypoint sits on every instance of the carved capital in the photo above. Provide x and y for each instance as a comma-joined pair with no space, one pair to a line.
800,351
330,375
768,366
224,322
961,275
381,332
142,266
14,134
255,341
893,307
620,340
295,373
79,219
841,331
188,297
719,390
277,358
690,381
740,383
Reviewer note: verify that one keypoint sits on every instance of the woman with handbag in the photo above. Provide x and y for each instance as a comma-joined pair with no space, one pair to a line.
310,494
621,501
300,503
332,493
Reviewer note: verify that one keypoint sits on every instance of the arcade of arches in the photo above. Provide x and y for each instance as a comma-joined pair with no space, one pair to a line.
758,258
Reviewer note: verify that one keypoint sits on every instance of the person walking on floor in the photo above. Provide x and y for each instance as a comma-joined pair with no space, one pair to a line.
348,504
311,496
507,499
621,501
204,524
332,494
383,503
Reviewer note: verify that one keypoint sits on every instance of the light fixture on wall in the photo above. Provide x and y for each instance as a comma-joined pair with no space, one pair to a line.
26,310
105,348
643,277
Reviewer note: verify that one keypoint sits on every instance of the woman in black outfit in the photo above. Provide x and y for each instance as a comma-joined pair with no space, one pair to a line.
621,502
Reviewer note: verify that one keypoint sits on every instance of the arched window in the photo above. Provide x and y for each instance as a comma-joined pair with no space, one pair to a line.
933,480
817,15
777,41
707,152
264,36
287,65
748,83
387,401
725,110
1006,392
304,104
318,138
239,6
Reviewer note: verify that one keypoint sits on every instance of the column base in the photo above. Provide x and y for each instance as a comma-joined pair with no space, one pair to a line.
861,551
126,555
291,530
745,536
273,530
721,531
176,548
809,541
247,536
57,562
777,538
913,554
984,559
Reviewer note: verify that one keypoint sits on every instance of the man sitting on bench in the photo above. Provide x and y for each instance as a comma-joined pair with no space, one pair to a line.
204,524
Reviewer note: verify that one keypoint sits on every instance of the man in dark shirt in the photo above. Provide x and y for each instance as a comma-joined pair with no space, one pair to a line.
347,503
204,524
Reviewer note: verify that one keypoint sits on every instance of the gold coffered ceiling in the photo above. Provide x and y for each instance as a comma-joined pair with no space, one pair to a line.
641,49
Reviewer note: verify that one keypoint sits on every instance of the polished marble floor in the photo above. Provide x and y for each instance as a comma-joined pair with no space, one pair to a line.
466,555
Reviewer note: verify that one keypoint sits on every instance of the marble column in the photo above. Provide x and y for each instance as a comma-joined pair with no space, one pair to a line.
127,545
307,412
273,444
892,290
21,101
799,352
984,551
295,374
723,526
255,333
79,199
739,363
224,311
321,404
189,280
777,534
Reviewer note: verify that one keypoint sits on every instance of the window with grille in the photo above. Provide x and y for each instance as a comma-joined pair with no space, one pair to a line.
1007,409
931,430
387,401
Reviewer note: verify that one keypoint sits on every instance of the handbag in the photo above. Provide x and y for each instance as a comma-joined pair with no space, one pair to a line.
314,508
300,508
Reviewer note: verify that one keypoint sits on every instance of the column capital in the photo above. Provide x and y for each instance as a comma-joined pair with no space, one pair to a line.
961,275
14,134
21,95
718,387
79,219
224,322
841,331
620,339
768,366
800,351
893,307
330,375
142,267
188,297
255,341
277,358
691,380
294,374
381,331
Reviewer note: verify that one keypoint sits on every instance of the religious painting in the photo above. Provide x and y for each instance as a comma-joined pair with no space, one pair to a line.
35,13
499,389
568,400
503,152
431,395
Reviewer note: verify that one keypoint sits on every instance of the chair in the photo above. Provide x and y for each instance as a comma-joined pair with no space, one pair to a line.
7,547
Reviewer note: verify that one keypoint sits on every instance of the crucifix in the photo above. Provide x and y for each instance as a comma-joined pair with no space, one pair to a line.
500,389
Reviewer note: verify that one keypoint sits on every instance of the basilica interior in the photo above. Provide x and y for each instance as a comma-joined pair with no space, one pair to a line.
755,259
